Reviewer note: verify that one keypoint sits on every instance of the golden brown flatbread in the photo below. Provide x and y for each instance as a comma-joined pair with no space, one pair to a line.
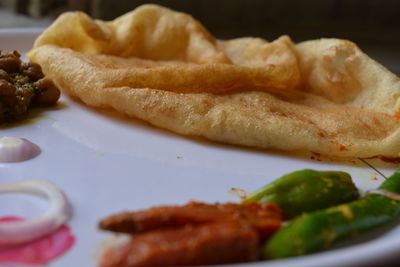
162,66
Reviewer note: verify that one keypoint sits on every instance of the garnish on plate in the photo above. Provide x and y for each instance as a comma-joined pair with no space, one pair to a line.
40,239
58,213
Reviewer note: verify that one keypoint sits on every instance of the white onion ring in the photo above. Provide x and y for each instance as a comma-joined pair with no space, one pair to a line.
24,231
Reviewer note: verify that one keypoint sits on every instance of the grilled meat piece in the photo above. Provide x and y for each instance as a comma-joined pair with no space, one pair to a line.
193,234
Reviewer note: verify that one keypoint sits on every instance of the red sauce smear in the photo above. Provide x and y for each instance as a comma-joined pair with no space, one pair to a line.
37,252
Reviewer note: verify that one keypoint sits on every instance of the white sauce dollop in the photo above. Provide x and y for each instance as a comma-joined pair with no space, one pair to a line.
14,149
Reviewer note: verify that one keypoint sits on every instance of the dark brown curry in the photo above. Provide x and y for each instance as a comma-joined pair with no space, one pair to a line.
22,85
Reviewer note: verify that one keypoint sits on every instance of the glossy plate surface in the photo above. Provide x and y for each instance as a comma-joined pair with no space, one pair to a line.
107,163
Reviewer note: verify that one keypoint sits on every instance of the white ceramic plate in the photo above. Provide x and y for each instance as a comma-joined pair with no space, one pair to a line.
108,163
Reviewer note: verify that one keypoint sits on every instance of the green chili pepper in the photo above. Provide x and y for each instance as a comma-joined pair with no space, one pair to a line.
317,230
307,190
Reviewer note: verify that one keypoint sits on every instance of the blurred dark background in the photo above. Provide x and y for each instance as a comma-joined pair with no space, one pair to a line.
373,24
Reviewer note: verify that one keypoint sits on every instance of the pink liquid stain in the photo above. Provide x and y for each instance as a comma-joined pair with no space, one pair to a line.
37,252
